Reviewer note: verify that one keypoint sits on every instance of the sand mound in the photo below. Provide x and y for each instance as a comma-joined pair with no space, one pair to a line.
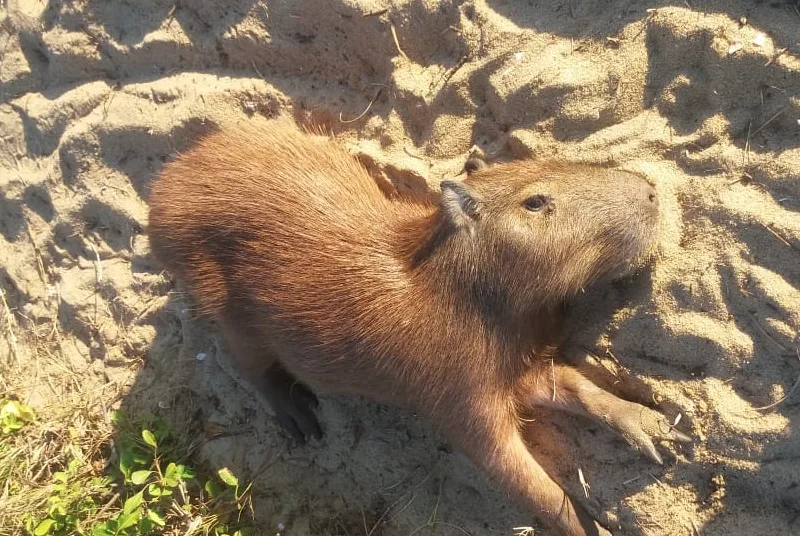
96,95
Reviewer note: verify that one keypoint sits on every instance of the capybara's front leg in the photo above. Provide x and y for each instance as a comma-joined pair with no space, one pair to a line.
292,402
559,386
496,445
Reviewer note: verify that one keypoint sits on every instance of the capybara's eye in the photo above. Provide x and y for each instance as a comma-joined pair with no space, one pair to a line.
535,203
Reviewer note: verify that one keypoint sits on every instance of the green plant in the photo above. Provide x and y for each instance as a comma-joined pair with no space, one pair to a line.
72,499
14,415
149,490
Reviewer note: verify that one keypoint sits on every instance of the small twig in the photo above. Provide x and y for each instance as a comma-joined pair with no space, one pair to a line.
461,61
106,506
364,519
777,54
98,268
767,335
781,399
432,517
776,235
375,13
108,100
339,523
609,352
412,155
460,529
405,506
396,41
362,114
630,481
12,337
98,275
38,252
171,15
583,482
770,120
253,62
747,144
694,527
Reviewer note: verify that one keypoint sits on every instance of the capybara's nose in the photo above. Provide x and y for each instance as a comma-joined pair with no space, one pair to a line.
649,196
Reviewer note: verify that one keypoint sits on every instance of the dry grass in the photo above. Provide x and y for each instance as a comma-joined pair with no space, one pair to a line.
68,469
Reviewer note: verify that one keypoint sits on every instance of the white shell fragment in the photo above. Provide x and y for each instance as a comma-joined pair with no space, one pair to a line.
735,47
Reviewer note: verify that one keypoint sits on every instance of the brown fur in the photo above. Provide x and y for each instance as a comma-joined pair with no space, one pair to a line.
286,240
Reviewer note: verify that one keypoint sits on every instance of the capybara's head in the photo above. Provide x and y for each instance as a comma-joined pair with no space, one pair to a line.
526,235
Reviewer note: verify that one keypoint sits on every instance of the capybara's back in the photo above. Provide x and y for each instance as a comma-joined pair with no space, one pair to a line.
252,198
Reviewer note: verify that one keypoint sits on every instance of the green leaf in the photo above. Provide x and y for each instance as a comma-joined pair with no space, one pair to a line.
155,518
172,475
187,473
72,466
118,416
102,530
126,521
11,407
149,438
145,526
44,527
227,476
133,503
57,509
126,462
140,477
144,460
156,490
26,413
171,471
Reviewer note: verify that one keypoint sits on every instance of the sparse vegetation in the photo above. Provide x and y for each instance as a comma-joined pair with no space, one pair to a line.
129,476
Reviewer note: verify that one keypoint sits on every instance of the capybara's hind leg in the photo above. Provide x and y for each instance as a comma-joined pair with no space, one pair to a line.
292,402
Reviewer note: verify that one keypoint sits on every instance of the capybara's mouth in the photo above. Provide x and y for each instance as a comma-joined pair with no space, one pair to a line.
644,254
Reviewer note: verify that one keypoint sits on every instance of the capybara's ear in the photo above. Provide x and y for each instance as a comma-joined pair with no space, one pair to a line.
459,205
474,164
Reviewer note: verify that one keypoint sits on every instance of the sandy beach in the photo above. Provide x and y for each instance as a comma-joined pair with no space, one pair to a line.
702,97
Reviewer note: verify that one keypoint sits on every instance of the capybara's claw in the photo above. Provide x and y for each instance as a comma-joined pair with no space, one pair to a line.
681,437
640,425
650,451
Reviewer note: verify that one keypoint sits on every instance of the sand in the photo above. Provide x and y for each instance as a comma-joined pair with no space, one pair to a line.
704,97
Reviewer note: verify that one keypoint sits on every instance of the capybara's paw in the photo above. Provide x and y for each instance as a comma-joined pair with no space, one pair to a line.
584,523
299,421
640,425
293,404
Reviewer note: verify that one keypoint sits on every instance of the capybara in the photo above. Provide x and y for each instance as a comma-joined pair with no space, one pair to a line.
320,282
